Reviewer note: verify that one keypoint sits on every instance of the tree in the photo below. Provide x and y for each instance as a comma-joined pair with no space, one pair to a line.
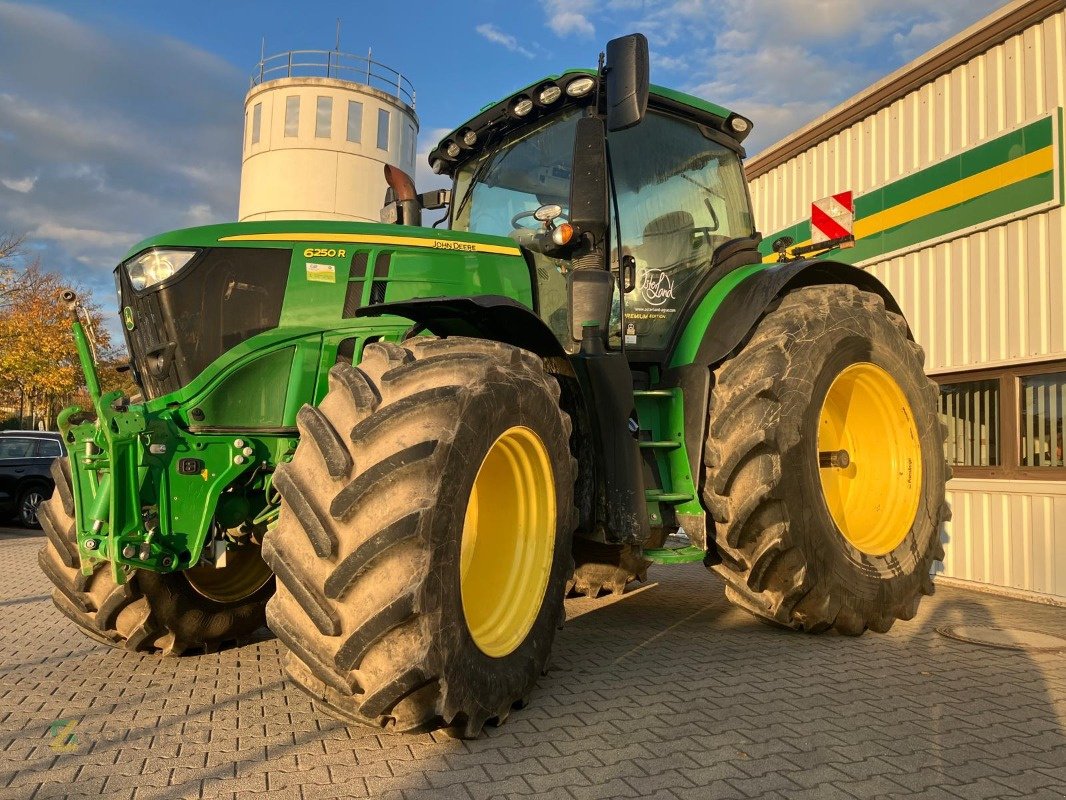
39,368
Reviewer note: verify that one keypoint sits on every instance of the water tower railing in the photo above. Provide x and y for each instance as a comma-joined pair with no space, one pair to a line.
335,64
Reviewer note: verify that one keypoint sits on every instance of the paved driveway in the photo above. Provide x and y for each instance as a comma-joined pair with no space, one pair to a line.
668,692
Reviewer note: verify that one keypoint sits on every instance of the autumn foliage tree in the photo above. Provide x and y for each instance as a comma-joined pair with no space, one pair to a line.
39,368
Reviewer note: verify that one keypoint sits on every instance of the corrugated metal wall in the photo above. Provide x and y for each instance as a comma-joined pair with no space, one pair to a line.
1008,533
985,297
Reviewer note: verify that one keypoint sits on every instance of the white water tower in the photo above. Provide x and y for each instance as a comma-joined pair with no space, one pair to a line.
319,126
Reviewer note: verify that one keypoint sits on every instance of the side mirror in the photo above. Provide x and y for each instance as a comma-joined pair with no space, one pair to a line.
627,81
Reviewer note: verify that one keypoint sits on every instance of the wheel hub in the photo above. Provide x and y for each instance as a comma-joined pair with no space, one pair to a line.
869,458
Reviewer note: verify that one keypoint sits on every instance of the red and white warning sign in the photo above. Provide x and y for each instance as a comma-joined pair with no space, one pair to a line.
833,218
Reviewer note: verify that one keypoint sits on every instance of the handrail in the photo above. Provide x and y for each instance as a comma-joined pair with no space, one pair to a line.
334,64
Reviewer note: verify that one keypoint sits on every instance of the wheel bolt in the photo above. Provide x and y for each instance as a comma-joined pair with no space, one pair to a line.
833,458
129,551
91,544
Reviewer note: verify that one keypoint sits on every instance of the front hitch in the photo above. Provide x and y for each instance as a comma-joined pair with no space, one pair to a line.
103,461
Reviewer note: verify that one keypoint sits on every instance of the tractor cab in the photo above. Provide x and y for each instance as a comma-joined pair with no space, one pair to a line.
676,195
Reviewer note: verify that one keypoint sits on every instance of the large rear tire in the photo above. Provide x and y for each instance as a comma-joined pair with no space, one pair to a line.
150,613
423,546
825,466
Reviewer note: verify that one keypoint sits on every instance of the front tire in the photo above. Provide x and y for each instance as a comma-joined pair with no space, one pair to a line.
423,546
150,613
826,466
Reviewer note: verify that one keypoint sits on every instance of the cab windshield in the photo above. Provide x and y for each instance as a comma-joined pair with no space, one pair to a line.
528,169
680,195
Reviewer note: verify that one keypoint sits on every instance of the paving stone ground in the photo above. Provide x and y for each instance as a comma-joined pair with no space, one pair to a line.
668,692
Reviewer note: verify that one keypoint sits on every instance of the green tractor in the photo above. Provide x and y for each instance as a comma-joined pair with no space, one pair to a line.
400,447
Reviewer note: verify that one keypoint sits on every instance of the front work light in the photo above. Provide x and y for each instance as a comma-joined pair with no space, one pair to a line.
522,106
549,94
580,86
156,265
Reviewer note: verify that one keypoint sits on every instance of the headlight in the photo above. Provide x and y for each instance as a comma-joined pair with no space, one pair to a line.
153,266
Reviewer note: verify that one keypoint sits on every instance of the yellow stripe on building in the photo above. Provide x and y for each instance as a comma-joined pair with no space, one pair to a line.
998,177
364,238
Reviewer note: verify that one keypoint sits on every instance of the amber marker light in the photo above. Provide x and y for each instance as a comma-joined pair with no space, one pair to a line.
563,234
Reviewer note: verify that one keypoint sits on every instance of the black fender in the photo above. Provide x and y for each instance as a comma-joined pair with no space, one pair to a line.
745,305
730,328
489,316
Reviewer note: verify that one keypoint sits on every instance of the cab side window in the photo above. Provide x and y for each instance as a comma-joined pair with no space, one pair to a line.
680,195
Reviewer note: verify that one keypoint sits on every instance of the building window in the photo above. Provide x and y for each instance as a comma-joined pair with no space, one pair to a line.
323,117
355,121
1006,423
1041,399
383,129
971,412
257,120
292,115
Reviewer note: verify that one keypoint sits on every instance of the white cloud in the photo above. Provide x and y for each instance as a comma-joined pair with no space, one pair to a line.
495,35
84,238
570,17
116,152
201,214
782,62
20,185
668,63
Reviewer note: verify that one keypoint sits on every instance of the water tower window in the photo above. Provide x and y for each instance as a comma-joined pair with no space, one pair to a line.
323,117
355,121
257,119
409,145
383,129
292,115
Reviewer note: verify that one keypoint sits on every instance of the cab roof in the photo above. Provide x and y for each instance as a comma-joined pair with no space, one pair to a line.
495,115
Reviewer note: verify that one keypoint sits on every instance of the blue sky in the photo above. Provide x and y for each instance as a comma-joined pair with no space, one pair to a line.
122,119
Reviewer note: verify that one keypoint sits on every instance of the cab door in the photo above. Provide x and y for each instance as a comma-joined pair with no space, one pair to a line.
681,194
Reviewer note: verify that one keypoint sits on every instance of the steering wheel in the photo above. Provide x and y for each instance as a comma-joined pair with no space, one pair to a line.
521,215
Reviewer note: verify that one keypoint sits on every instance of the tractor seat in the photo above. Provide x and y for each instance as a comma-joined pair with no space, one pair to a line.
669,240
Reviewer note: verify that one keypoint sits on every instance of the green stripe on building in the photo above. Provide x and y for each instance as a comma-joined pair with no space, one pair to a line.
982,208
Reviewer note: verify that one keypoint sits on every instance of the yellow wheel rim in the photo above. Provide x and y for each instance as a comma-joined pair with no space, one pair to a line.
245,574
869,458
508,541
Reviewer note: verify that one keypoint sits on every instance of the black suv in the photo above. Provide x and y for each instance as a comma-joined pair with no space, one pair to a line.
25,472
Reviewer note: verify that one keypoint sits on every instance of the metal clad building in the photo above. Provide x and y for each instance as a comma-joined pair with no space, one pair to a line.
956,165
319,126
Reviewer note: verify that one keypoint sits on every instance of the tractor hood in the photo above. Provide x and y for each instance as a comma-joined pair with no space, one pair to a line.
193,297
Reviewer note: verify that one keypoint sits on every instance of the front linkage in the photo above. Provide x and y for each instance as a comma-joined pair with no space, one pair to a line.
149,495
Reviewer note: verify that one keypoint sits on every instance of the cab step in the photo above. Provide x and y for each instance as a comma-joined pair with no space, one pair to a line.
656,496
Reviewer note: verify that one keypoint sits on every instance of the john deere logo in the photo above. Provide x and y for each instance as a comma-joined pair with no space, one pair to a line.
656,287
127,317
